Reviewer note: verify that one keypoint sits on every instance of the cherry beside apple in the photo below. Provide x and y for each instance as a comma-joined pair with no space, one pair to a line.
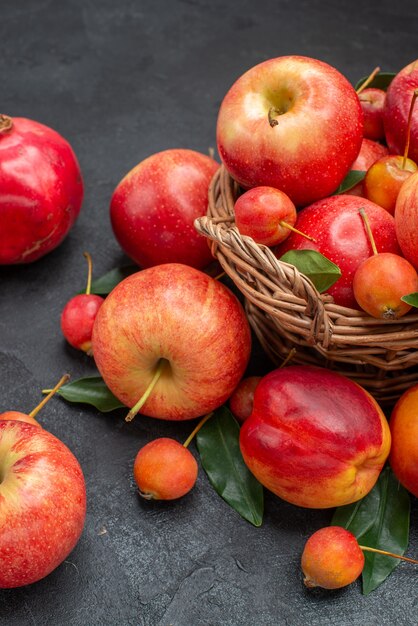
332,558
382,280
78,315
165,469
41,189
29,418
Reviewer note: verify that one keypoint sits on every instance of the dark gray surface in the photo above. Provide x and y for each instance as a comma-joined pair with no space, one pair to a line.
122,80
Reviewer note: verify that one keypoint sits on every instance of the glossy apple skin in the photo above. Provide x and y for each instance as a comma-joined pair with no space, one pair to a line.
77,320
331,558
20,417
381,281
259,211
41,191
153,209
370,151
406,219
315,438
42,503
340,235
164,470
385,178
180,314
372,101
310,150
241,400
404,428
396,111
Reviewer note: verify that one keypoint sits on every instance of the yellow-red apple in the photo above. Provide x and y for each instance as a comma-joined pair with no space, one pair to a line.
406,219
42,503
404,428
177,320
315,438
292,122
396,111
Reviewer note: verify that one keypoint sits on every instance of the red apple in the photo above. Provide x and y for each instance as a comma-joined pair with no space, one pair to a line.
266,214
396,111
315,438
340,235
154,206
370,151
179,319
372,101
42,503
293,123
406,219
41,190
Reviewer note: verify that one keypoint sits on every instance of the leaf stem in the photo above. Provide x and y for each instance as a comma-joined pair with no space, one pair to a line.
368,80
385,553
136,408
196,430
89,272
50,392
366,221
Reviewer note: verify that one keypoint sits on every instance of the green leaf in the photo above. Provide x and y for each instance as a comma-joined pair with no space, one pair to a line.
322,272
380,520
351,180
381,81
218,445
390,531
91,390
104,285
411,298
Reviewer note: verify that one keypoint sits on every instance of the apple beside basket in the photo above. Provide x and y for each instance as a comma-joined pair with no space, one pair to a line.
286,311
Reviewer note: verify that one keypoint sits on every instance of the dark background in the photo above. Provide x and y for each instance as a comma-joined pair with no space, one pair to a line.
122,80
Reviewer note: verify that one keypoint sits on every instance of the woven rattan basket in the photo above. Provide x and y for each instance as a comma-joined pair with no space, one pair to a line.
286,311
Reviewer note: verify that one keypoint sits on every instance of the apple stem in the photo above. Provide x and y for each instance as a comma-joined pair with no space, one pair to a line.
6,123
136,408
51,393
385,553
272,120
289,356
295,230
368,80
89,272
408,128
196,430
368,229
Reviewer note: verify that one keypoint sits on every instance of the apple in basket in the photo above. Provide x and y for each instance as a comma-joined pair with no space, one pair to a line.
175,336
292,122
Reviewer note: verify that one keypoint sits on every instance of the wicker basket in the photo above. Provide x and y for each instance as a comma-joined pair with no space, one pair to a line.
286,311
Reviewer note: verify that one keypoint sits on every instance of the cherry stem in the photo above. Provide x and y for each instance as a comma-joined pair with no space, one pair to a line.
196,430
136,408
272,120
219,276
289,356
368,80
6,123
385,553
408,128
51,393
368,229
89,272
295,230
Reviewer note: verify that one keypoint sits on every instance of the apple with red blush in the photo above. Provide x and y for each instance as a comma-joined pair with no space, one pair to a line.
397,109
42,503
293,123
370,151
171,342
372,101
339,233
41,190
154,206
406,219
314,438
